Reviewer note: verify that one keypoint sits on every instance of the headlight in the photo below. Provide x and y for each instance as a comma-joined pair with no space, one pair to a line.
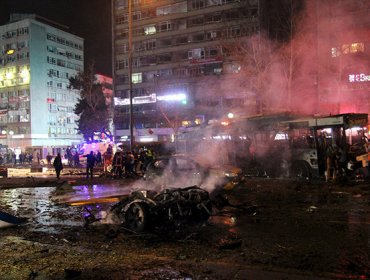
230,174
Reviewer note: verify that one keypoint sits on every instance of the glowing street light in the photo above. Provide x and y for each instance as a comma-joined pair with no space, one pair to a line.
230,115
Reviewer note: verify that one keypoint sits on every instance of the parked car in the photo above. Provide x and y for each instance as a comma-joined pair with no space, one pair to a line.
179,171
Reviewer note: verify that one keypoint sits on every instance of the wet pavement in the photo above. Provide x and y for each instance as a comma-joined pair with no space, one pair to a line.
281,228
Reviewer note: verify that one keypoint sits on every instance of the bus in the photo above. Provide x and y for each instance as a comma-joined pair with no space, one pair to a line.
277,145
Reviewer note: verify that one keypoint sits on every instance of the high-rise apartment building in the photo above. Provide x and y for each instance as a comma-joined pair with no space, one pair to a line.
343,30
37,57
180,73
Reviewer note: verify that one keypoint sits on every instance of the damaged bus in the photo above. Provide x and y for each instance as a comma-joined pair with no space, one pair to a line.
280,145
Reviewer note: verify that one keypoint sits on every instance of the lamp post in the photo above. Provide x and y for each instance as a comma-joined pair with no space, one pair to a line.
130,73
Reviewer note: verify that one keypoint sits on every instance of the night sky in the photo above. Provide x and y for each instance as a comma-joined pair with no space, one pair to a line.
89,19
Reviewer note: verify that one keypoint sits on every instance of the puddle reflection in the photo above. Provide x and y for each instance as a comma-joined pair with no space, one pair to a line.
48,213
85,193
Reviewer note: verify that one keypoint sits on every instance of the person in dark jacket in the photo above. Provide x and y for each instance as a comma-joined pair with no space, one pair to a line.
58,166
90,158
98,158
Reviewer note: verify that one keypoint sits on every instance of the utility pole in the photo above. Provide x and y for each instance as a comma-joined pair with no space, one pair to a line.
130,74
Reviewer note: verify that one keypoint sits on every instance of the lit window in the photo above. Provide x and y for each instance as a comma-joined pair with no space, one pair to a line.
196,53
150,29
334,52
357,47
137,78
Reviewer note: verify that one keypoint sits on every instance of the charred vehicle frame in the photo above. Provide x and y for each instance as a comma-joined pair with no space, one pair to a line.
144,210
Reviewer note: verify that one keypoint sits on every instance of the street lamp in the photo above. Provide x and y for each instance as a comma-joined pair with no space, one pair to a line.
230,115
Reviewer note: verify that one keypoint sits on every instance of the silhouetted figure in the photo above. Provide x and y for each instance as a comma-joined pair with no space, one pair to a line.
58,166
118,164
76,159
98,158
130,164
90,158
38,158
49,158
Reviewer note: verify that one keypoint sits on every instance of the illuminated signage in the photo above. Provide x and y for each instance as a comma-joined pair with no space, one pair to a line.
358,78
136,100
153,98
172,97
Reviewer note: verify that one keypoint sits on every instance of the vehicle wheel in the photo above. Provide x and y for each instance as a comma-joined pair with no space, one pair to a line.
136,217
301,170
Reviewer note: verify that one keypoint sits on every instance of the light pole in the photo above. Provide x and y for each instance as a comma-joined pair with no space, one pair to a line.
130,73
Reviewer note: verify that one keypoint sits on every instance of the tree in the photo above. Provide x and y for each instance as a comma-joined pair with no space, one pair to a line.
297,55
255,55
91,106
277,66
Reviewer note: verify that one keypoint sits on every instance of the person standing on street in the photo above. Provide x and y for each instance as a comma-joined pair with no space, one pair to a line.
58,166
90,158
98,158
49,158
38,158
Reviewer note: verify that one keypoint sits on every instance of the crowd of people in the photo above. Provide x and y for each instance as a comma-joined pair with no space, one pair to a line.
119,164
129,164
11,158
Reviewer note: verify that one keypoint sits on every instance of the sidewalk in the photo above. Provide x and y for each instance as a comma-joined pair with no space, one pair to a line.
27,176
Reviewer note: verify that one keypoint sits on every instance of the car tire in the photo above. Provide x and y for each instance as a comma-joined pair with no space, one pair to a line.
136,217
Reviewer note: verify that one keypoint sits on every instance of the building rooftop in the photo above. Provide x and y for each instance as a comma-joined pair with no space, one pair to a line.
20,16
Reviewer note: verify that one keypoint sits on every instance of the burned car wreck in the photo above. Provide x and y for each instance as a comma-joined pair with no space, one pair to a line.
175,192
145,210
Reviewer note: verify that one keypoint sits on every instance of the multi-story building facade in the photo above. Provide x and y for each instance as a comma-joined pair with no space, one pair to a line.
181,75
37,57
343,30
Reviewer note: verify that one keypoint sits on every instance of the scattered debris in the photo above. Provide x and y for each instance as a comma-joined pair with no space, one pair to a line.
312,208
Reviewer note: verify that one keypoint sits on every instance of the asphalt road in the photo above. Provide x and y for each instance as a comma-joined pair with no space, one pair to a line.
295,231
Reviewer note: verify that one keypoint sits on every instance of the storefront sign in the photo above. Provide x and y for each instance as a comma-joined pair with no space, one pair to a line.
136,100
358,78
